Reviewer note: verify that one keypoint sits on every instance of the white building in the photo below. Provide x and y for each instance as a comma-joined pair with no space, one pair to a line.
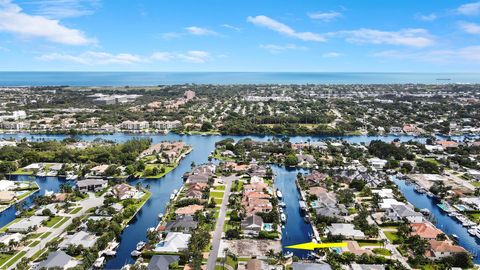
377,163
166,125
174,242
346,230
135,125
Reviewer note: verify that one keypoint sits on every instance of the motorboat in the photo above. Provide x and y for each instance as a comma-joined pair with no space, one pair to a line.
140,245
282,204
135,253
306,218
99,262
288,255
279,194
283,218
303,205
160,216
172,196
48,193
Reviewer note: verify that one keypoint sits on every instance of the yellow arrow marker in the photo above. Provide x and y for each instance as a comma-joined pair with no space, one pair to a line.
312,246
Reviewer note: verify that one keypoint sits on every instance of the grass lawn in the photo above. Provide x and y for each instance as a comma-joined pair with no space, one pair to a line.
4,257
369,243
382,251
34,243
218,201
37,254
15,258
45,235
392,236
75,210
61,222
168,169
220,188
52,221
476,183
21,171
216,194
475,217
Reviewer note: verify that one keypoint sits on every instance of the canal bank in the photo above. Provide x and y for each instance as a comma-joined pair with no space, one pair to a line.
441,220
296,230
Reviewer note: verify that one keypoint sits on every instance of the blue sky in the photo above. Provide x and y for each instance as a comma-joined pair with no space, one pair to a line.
243,35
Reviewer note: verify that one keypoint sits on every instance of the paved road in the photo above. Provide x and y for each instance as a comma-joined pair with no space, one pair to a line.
217,235
395,253
86,204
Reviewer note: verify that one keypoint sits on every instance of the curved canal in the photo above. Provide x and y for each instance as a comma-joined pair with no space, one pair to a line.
296,230
444,222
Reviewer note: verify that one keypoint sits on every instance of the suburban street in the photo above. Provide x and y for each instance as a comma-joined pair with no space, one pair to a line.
86,204
217,235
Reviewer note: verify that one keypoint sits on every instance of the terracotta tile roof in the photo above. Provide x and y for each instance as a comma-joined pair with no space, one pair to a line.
425,230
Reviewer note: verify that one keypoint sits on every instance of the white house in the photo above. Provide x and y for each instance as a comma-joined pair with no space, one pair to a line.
399,212
377,163
346,230
174,242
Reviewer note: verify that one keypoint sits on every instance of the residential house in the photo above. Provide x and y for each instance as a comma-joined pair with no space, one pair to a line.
315,178
81,238
188,210
57,260
425,230
346,230
181,224
173,242
377,163
441,249
256,264
252,225
6,196
27,224
91,184
310,266
124,191
162,262
400,212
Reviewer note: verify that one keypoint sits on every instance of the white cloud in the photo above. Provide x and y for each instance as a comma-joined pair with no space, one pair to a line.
189,56
273,48
64,8
284,29
464,54
200,31
470,9
331,55
171,35
13,20
406,37
93,58
231,27
324,16
427,18
471,28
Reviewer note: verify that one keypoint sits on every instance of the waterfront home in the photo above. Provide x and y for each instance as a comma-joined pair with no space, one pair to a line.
388,203
194,194
181,224
400,212
134,125
6,196
474,173
346,230
356,266
125,191
26,225
425,230
305,160
51,207
252,225
386,193
310,266
7,185
447,144
339,212
81,238
198,178
441,249
377,163
162,262
173,242
57,260
91,184
99,170
315,178
256,187
188,210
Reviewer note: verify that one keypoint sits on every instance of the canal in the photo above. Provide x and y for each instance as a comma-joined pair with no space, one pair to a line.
296,230
444,222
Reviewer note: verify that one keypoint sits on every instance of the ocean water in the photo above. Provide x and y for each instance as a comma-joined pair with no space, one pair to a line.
169,78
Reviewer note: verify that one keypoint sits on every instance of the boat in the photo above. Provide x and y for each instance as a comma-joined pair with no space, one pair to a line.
279,194
175,191
477,232
140,245
288,255
425,211
282,204
283,218
306,218
472,231
18,213
109,253
172,196
454,237
160,216
71,176
48,193
303,205
135,253
99,262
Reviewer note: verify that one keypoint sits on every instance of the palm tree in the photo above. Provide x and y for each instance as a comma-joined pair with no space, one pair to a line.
225,251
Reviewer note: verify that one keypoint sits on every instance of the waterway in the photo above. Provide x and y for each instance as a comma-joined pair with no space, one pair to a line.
444,222
296,230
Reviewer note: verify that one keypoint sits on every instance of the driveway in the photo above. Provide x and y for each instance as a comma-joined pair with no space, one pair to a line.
217,235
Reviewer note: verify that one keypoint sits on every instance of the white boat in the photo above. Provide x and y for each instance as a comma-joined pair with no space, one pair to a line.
472,231
71,176
48,193
282,204
288,255
140,245
99,262
172,196
279,194
109,253
160,216
135,253
303,205
283,217
175,191
477,232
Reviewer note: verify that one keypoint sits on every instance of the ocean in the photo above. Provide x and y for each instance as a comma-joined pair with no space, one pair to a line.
170,78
